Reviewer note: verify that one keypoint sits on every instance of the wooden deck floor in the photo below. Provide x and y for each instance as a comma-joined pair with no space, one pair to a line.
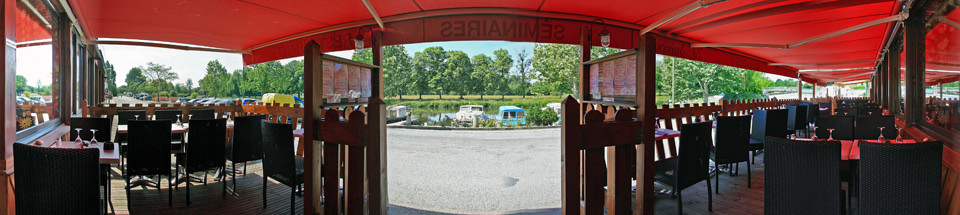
206,199
734,198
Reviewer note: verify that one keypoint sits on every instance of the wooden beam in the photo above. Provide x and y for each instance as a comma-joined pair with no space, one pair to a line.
825,36
373,13
646,111
312,98
915,66
169,46
9,87
377,145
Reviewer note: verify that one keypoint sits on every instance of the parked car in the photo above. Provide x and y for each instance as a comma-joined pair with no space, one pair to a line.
146,98
38,99
181,100
21,100
142,96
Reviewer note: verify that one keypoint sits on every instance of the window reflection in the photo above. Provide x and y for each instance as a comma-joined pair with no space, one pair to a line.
36,96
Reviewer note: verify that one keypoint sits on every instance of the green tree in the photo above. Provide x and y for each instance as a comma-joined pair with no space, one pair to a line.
159,76
134,79
397,71
483,76
555,68
502,63
189,84
217,81
21,84
457,73
523,68
110,76
428,70
293,78
363,56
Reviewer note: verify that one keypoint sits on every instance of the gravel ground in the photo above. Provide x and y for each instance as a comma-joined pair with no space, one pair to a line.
504,171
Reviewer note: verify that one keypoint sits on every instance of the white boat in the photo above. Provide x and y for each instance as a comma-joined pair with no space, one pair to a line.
396,113
469,112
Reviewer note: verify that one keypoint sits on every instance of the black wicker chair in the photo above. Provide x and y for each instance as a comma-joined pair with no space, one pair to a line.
123,117
849,111
279,161
246,145
842,125
796,118
691,165
802,177
170,115
869,112
56,180
202,114
149,152
766,123
101,124
867,127
900,178
204,151
733,138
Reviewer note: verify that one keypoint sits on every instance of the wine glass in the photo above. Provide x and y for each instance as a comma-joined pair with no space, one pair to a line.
881,139
178,120
899,130
78,140
813,126
136,116
831,134
93,135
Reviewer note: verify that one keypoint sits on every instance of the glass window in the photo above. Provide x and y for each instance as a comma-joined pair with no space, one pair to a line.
36,76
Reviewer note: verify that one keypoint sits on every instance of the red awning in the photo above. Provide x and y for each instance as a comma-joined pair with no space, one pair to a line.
269,30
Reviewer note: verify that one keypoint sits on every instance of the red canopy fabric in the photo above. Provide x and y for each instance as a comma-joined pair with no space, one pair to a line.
269,30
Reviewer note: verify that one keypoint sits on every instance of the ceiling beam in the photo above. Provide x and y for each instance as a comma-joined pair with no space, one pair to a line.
679,13
823,64
837,33
373,13
163,45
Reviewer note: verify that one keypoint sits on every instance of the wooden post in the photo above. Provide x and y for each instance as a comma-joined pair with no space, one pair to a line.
914,75
893,77
646,110
799,87
570,157
883,91
354,178
585,45
377,145
940,86
593,198
312,99
8,87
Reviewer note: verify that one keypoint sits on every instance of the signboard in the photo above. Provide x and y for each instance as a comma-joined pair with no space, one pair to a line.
613,78
346,80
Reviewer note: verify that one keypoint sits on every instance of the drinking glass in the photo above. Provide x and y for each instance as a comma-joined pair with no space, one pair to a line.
93,135
899,138
814,128
78,140
831,134
136,116
881,139
178,120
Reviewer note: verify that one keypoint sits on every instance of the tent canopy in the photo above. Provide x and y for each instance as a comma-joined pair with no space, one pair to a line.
829,40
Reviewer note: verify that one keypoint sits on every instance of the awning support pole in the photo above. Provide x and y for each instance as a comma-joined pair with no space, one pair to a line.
914,74
646,111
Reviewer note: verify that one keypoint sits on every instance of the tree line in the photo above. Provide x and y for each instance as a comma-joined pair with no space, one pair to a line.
249,81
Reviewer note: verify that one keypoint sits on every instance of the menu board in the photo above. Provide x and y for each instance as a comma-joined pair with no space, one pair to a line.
594,76
365,82
614,79
345,81
328,69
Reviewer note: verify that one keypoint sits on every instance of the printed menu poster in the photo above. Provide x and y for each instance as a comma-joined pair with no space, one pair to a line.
619,76
340,82
607,72
365,82
354,85
594,79
630,79
328,69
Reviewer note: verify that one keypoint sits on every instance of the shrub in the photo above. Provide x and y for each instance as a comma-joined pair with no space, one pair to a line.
539,117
